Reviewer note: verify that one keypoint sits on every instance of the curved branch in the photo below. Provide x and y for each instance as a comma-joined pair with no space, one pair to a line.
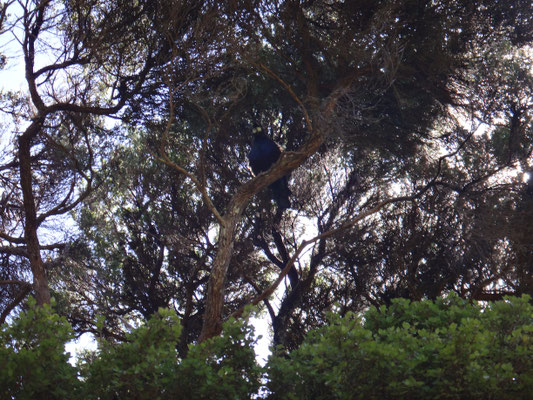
26,288
289,89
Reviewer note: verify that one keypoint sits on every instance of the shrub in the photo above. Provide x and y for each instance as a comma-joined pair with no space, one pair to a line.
148,366
33,361
34,364
447,349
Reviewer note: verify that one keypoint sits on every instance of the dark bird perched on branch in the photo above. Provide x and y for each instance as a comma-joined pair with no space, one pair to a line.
263,154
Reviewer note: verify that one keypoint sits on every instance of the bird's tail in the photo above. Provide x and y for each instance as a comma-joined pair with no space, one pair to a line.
280,193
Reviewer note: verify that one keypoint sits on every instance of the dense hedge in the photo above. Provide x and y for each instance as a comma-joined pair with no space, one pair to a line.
447,349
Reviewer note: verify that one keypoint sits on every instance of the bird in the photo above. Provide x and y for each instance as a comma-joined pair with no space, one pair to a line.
263,154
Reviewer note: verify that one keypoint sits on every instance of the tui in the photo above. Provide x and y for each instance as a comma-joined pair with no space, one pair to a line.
263,154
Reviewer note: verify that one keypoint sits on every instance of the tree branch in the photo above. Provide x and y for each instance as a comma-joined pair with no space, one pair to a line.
14,251
26,288
346,225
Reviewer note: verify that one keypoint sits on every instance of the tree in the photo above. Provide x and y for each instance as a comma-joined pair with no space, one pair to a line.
101,54
400,122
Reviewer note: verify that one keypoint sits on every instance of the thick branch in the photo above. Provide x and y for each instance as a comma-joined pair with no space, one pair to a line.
14,282
12,239
14,251
62,65
215,296
31,33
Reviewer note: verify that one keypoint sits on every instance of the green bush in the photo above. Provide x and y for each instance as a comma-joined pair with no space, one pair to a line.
447,349
33,362
148,366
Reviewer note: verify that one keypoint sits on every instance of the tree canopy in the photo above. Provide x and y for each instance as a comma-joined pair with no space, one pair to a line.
406,135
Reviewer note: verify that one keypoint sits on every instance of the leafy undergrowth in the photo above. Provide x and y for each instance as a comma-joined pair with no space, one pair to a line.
446,349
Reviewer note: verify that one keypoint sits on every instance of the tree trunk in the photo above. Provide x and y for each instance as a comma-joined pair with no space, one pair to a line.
212,325
40,281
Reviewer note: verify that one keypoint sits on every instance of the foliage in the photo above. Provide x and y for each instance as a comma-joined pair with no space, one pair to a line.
447,349
146,366
33,358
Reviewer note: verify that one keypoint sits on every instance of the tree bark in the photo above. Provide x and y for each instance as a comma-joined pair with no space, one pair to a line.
40,280
212,325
